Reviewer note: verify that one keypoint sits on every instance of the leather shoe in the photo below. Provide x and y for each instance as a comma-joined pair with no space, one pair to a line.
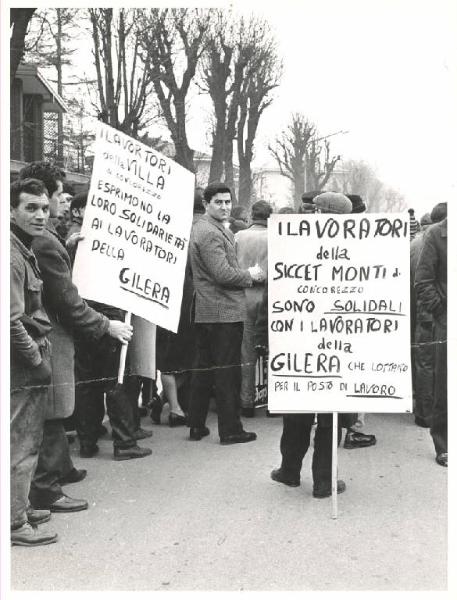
278,475
26,535
175,420
73,476
156,409
355,439
324,491
421,422
36,516
88,450
130,453
197,433
248,412
142,434
239,438
67,504
441,459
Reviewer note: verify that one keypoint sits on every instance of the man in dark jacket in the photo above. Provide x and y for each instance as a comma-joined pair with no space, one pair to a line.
30,359
431,288
67,312
423,350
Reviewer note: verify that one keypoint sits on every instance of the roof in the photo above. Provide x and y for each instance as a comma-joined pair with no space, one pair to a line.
34,82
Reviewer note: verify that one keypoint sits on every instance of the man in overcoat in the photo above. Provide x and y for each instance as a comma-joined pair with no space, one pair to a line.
67,312
431,288
30,359
220,309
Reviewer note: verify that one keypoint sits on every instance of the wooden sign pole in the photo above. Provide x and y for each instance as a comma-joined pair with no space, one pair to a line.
123,356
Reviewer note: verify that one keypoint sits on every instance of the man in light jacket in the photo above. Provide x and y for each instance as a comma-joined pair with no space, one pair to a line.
252,249
220,310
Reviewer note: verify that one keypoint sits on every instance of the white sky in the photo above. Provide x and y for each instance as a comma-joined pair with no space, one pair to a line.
383,69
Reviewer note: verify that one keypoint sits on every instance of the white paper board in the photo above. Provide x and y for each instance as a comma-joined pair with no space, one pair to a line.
339,313
136,228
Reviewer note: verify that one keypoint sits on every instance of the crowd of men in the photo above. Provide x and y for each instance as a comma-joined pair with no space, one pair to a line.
61,378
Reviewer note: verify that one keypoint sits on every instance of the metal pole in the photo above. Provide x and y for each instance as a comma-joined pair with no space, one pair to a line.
334,466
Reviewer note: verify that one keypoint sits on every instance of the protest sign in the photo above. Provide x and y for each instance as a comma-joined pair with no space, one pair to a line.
339,324
136,229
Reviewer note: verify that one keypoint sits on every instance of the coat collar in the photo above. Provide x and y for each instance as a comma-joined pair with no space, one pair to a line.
26,253
50,227
226,232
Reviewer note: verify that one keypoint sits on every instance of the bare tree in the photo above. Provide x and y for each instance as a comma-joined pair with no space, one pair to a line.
124,70
239,71
262,77
19,20
175,39
303,156
290,150
358,177
319,165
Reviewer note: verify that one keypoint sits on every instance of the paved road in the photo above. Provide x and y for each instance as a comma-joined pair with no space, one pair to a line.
201,516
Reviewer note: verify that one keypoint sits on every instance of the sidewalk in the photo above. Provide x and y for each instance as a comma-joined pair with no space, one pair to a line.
201,516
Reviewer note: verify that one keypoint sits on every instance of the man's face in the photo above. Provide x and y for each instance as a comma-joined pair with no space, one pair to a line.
220,206
31,215
55,201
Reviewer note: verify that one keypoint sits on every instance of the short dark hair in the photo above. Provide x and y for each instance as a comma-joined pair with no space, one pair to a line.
215,188
239,212
68,188
25,186
286,210
79,201
439,212
261,209
46,172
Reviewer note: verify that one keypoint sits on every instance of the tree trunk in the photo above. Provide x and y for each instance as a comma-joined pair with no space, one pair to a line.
19,18
217,158
184,155
245,183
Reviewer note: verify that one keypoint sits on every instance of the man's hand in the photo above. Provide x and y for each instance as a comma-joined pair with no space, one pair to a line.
42,373
73,240
257,273
120,331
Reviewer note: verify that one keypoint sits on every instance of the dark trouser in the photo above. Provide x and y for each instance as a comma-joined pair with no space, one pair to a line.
438,427
96,367
218,361
27,412
295,442
424,363
53,462
347,420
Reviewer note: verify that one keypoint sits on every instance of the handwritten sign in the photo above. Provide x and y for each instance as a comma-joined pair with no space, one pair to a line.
339,319
136,228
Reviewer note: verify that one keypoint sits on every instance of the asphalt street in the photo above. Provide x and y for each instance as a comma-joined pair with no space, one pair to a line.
201,516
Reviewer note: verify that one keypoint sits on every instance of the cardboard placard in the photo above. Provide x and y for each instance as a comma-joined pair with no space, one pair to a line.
339,322
136,229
